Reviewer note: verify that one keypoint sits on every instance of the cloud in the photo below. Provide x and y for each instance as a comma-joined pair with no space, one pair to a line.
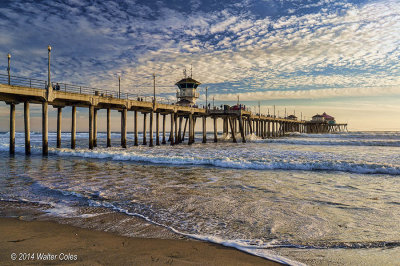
340,45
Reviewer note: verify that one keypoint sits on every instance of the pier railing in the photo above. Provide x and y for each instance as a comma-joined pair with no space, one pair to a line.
72,88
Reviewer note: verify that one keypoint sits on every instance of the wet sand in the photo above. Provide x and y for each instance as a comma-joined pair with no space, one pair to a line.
89,247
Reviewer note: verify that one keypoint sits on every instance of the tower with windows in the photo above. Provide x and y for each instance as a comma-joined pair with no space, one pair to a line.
187,94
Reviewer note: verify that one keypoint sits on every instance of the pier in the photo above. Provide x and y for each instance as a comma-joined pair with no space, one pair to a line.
237,124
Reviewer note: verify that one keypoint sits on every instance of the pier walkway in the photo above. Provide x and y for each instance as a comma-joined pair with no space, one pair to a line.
236,123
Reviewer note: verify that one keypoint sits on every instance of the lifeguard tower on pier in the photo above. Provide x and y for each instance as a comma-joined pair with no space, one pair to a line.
187,93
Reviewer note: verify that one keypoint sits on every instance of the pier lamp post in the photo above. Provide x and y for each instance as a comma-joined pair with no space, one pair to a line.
154,88
8,69
206,98
49,82
119,87
213,102
274,111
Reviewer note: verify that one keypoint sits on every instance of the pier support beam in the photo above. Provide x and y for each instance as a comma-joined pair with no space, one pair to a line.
176,128
179,140
190,142
91,114
163,129
241,128
108,128
204,129
171,133
73,127
135,128
45,128
250,126
95,127
59,119
157,129
144,128
151,129
12,128
232,130
184,129
123,128
27,124
215,129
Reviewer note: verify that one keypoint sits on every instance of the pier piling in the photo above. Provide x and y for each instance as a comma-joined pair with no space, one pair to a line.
12,128
27,126
91,114
45,128
135,128
163,129
108,128
95,127
232,130
73,127
123,127
171,133
151,129
59,118
144,128
157,128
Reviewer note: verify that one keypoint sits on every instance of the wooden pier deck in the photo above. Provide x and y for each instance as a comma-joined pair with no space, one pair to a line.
15,90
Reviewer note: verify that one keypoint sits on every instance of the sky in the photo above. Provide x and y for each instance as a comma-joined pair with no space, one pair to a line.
308,56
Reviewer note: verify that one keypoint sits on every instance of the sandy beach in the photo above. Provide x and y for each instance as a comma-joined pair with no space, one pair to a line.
50,242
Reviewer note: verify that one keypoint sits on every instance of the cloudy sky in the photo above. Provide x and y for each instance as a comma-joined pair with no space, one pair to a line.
311,56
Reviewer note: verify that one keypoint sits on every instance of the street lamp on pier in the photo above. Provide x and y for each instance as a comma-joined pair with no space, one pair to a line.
154,88
9,69
119,86
49,81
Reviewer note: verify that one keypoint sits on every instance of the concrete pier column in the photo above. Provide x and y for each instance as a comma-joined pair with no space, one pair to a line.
12,128
242,130
123,127
27,125
163,129
144,128
224,131
215,129
269,129
176,128
171,133
179,140
95,127
250,126
108,128
257,128
158,129
59,119
204,129
273,129
73,127
232,130
190,129
135,128
45,128
184,129
151,129
91,114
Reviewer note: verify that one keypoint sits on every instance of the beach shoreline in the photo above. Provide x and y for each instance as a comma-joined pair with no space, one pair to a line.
49,241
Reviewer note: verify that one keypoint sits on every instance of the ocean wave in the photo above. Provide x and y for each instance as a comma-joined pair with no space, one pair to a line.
339,142
239,163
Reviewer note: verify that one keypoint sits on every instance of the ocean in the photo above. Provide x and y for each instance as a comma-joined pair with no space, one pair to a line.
303,199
